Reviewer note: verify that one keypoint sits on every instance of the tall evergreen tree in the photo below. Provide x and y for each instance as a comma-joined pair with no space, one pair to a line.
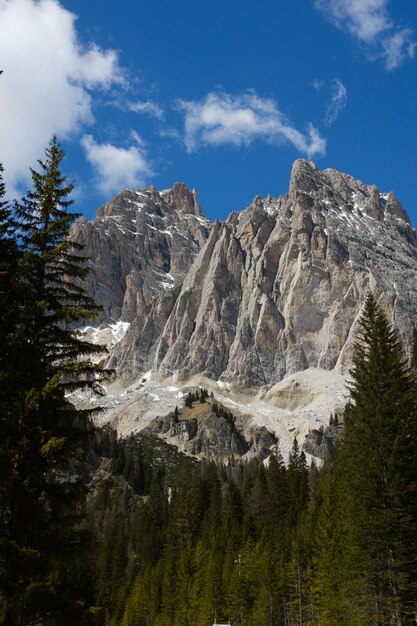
297,482
381,421
9,259
374,533
44,435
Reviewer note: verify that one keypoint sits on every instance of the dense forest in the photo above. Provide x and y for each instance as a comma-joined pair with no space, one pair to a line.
101,531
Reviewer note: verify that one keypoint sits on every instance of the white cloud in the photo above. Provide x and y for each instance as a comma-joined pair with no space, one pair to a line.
337,103
170,133
116,168
146,106
317,84
398,48
221,118
369,22
47,81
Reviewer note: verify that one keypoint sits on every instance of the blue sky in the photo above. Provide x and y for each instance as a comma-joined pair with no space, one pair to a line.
223,94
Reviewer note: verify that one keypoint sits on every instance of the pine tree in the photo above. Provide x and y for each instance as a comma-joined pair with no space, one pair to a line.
369,511
9,290
176,415
277,494
297,478
381,425
44,436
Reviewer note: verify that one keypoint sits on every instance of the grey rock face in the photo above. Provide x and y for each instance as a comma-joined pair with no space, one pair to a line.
141,245
214,437
275,289
320,443
278,288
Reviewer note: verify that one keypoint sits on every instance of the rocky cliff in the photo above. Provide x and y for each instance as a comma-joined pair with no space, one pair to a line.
275,290
278,287
140,247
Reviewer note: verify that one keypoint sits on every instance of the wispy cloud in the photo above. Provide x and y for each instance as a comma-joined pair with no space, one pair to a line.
170,132
48,82
117,167
147,106
317,84
221,118
369,22
337,102
398,48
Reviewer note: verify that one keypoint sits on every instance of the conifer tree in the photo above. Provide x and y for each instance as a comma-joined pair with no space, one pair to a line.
277,493
370,510
44,436
381,424
9,288
297,482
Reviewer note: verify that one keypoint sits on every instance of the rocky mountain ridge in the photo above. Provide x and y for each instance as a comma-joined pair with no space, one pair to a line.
274,291
278,287
140,244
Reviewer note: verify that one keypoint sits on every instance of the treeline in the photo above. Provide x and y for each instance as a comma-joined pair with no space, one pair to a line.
217,543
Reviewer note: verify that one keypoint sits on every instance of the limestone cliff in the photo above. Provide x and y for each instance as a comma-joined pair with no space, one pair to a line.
278,287
272,292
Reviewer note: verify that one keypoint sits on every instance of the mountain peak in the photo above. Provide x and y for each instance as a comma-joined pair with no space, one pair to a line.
309,187
265,303
183,200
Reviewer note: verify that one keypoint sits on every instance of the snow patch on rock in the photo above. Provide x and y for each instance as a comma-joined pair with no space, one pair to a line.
107,335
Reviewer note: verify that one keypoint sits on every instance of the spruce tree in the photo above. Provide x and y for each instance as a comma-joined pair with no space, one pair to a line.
9,259
297,478
42,537
381,426
369,511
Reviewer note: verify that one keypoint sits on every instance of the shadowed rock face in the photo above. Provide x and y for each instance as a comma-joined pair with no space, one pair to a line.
274,290
213,437
141,245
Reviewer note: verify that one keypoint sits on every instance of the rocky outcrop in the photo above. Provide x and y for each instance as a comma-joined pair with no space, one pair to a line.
204,434
274,290
140,247
278,288
321,442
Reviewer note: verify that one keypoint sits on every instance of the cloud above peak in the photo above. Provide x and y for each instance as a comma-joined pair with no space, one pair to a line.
369,23
48,80
116,167
221,118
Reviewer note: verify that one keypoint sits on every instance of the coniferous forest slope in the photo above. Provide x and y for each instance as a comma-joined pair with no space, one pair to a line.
103,531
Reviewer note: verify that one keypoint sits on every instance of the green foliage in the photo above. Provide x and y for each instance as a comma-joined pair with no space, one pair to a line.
367,567
181,543
44,438
200,395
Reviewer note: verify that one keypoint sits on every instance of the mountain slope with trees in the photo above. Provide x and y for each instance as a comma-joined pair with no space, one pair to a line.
159,538
277,545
